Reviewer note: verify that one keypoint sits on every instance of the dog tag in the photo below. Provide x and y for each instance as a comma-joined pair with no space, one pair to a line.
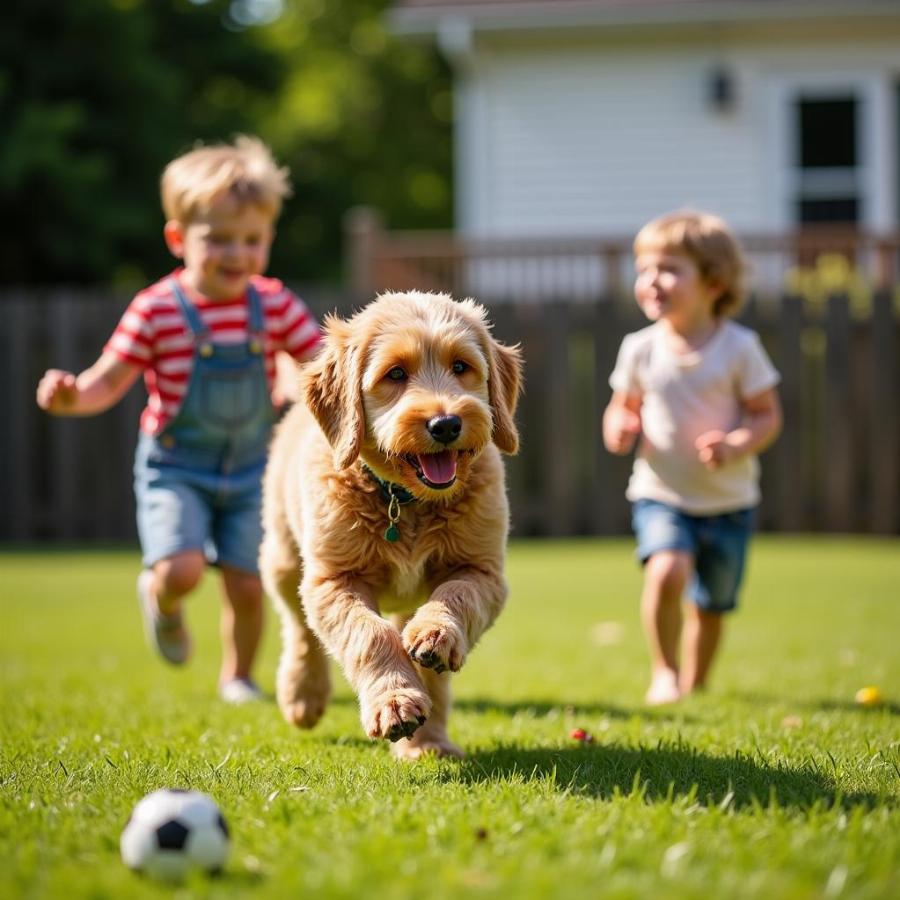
392,534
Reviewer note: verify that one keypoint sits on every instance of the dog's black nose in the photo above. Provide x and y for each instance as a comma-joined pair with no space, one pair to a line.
445,428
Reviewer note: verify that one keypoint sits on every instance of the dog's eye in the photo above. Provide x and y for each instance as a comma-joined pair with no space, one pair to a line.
459,367
397,374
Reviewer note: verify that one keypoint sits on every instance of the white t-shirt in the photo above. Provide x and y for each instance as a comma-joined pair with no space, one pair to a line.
685,395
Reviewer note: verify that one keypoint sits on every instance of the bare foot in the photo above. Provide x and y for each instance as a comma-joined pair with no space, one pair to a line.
663,688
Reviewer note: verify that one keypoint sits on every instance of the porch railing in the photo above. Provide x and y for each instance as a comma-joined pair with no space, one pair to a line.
818,260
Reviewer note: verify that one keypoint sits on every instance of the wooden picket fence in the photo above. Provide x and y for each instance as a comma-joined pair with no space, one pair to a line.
835,468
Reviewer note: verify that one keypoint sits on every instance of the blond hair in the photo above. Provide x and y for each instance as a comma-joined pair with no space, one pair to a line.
244,170
709,243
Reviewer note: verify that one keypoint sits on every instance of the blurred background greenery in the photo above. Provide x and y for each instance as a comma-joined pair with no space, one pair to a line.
96,96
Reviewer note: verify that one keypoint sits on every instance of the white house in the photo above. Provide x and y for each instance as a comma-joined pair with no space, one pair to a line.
588,117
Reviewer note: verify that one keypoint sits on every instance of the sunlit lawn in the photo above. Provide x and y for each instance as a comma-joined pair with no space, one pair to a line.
774,784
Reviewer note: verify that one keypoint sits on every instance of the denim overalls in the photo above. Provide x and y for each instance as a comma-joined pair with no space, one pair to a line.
198,482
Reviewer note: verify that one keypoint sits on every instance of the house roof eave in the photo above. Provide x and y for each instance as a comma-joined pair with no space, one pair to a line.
430,19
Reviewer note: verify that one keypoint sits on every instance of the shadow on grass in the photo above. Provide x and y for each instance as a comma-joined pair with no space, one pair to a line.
851,707
479,705
829,704
543,708
663,773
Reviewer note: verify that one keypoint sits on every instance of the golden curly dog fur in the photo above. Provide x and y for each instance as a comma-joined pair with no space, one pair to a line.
411,397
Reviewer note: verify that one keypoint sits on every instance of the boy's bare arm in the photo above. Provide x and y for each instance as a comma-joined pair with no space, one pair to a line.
622,422
96,389
760,425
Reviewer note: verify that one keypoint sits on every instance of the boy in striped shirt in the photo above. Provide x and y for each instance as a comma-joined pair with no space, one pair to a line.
205,339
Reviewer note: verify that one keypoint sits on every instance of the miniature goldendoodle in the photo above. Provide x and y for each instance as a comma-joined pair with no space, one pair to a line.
385,494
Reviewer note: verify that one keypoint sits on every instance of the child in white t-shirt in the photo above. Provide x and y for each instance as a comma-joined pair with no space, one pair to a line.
699,390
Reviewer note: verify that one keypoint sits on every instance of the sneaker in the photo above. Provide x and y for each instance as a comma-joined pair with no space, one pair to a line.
240,690
165,633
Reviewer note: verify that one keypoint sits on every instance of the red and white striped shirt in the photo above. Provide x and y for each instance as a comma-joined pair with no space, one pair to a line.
154,335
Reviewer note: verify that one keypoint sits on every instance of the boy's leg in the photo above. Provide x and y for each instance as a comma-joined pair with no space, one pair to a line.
721,555
173,523
237,534
241,623
702,633
160,591
666,575
174,578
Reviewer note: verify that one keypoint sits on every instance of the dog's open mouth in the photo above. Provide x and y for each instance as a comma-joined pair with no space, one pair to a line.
435,470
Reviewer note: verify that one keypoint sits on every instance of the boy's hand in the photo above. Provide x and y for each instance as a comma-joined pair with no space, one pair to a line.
96,389
56,391
713,449
622,428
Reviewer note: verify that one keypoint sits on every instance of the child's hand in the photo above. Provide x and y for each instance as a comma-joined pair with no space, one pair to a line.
622,428
713,449
286,388
56,391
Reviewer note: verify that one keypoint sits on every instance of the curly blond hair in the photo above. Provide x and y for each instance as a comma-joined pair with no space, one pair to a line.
244,170
709,243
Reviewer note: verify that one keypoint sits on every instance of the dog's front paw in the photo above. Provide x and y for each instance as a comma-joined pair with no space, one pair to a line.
396,713
435,645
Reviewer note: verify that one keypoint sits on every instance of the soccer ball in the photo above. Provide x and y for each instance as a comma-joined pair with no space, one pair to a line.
172,831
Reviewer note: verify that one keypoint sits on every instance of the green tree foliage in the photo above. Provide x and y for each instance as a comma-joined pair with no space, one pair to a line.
362,118
96,96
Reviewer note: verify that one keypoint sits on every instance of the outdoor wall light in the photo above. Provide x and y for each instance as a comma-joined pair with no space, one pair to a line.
721,89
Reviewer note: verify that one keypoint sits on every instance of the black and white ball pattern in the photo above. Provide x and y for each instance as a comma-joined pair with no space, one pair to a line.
172,831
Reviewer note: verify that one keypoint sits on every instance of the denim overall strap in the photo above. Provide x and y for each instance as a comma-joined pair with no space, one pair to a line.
189,311
255,324
225,418
255,320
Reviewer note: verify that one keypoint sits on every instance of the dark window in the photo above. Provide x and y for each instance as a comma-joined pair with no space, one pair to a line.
827,160
827,133
834,209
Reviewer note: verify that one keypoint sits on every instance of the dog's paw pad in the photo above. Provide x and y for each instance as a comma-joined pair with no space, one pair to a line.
433,648
429,659
397,716
402,730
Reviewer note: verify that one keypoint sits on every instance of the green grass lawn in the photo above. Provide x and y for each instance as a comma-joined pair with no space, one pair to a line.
773,784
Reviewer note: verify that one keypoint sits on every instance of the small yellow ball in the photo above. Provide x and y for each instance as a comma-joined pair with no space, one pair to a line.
868,696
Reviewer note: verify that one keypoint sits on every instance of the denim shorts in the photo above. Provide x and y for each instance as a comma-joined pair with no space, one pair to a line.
717,543
181,508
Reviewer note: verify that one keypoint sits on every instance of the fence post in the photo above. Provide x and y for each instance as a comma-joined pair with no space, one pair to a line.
66,435
838,450
608,487
557,471
884,443
788,452
885,265
362,230
18,454
612,258
508,329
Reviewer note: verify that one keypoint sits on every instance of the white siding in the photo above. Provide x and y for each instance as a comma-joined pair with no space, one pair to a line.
559,140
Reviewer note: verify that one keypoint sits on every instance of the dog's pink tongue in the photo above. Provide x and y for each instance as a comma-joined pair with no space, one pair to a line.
438,468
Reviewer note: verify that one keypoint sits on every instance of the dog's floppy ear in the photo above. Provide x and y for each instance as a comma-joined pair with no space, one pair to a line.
332,388
504,385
